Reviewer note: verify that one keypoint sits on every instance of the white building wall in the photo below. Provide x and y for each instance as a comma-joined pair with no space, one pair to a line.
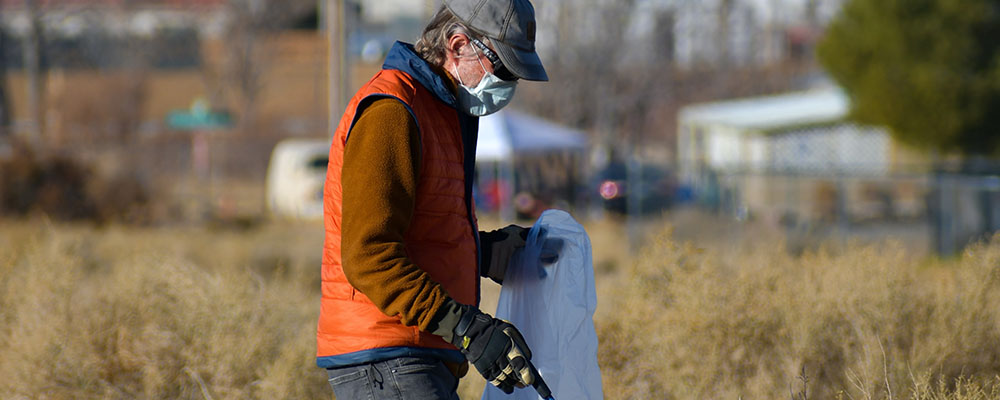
725,149
758,153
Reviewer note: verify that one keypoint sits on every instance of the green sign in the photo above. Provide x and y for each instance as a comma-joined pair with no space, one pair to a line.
198,118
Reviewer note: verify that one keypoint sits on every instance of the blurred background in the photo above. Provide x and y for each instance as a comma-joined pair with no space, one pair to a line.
834,157
719,110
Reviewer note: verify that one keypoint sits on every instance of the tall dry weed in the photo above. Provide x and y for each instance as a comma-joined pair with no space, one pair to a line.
142,314
856,322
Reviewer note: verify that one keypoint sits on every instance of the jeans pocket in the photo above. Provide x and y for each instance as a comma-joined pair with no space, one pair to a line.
350,383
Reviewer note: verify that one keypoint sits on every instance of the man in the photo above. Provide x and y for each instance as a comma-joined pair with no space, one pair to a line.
403,256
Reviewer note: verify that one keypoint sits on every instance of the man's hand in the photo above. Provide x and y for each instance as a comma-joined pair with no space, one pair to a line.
495,348
502,244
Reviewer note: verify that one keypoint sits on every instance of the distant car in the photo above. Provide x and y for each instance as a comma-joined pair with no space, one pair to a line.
295,178
656,190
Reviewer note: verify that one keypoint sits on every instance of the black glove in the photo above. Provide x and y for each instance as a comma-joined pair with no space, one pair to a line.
495,348
499,248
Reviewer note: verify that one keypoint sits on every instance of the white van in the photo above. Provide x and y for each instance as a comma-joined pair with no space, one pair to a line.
295,178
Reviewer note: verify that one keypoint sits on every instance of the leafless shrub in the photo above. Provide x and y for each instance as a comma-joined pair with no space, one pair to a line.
65,188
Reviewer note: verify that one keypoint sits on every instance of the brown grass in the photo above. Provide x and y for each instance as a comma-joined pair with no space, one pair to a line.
194,314
858,322
123,313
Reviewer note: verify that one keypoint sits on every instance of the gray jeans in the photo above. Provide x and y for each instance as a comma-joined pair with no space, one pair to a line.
400,378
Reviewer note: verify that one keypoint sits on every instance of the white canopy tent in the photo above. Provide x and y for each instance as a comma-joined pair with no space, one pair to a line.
507,135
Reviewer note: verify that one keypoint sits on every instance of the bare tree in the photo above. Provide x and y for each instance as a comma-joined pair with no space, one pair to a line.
245,61
722,42
5,117
35,66
253,22
631,102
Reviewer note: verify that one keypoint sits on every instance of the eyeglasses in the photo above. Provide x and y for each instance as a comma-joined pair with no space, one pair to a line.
499,69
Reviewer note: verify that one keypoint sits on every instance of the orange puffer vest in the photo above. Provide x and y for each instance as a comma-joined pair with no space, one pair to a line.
442,238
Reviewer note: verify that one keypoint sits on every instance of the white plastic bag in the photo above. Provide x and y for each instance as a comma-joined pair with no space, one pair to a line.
548,294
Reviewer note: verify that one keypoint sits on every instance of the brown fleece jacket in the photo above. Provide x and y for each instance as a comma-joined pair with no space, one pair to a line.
379,179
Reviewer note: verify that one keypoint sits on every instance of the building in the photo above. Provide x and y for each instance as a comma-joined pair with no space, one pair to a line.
794,156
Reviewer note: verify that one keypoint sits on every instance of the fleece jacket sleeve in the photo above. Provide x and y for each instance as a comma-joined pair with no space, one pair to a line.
379,180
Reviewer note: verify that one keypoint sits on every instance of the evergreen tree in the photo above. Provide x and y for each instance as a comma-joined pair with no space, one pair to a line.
927,69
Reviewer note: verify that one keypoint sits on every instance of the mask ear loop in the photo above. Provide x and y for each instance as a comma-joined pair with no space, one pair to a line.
459,76
479,58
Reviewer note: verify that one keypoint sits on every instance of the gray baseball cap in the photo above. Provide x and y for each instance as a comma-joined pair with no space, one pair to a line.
510,25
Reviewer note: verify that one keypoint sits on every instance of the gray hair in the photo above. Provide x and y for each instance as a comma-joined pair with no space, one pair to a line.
433,43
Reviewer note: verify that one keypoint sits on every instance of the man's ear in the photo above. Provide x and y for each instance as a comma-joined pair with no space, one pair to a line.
456,43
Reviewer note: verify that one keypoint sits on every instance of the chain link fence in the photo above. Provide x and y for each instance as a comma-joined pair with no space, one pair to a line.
839,180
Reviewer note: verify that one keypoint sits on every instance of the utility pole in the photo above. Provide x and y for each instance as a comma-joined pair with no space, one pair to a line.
336,30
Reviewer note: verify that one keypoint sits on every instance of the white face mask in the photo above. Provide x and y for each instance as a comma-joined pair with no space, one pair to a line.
488,97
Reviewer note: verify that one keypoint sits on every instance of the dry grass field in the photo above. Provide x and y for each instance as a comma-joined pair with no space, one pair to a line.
848,321
190,313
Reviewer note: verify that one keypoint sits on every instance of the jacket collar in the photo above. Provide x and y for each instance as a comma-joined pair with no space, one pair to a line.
404,58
